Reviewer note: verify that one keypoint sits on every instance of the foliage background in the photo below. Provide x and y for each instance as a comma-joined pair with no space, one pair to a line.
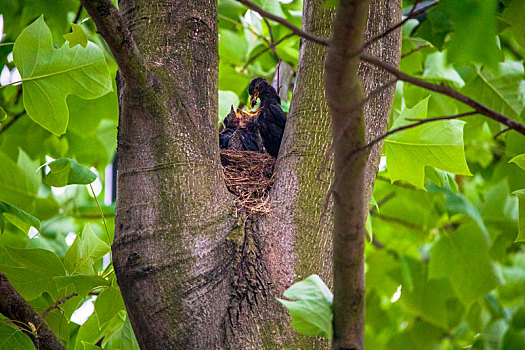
444,268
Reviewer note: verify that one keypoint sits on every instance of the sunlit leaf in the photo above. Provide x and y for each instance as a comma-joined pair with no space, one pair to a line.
67,171
50,75
311,308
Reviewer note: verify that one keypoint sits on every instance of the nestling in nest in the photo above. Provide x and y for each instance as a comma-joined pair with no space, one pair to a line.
249,145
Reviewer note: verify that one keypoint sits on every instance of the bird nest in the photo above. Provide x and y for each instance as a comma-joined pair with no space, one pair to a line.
249,175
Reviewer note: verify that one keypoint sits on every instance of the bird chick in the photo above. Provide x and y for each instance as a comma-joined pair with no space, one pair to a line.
271,119
231,123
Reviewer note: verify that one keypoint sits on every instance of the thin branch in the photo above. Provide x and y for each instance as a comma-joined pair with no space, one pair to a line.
79,12
272,41
258,54
399,221
410,15
111,26
297,31
55,306
416,49
14,307
11,122
447,91
501,132
410,126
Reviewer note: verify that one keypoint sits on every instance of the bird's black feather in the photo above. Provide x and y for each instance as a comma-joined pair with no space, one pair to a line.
271,119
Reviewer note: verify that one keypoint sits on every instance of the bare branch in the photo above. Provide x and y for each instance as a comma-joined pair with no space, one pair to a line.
501,132
412,14
410,126
55,306
447,91
416,49
14,307
258,54
297,31
111,26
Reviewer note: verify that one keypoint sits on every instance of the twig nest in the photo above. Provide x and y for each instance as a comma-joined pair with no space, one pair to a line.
249,175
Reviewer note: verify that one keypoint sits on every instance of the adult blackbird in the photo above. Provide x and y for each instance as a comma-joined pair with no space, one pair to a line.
271,119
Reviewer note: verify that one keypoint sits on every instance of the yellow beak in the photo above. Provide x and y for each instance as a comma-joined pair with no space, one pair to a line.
253,99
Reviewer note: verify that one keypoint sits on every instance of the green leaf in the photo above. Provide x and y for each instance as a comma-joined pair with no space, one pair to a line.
462,256
12,337
3,114
50,75
86,248
442,178
83,284
519,160
437,144
501,88
474,36
76,37
18,217
521,219
514,15
31,271
108,304
67,171
88,333
311,310
436,68
226,100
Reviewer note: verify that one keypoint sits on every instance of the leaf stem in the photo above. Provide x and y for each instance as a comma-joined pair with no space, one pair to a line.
103,218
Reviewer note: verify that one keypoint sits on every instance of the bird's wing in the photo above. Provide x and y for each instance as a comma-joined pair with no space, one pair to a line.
249,143
278,115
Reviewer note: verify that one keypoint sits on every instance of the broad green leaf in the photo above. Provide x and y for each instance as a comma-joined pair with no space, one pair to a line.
437,144
88,333
12,337
67,171
514,15
501,88
83,284
31,271
108,304
442,178
311,310
118,333
76,37
521,225
519,160
462,256
50,75
474,35
17,217
433,300
436,68
86,248
232,46
226,100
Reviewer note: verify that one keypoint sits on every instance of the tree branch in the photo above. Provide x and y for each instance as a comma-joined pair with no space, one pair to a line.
111,26
410,126
447,91
343,92
297,31
14,307
270,47
412,14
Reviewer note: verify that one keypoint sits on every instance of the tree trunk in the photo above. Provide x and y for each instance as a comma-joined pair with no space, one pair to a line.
193,273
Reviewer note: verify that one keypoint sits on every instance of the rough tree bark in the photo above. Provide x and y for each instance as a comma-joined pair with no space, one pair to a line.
195,274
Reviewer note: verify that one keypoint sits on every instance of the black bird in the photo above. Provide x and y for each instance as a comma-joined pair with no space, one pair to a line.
231,123
271,118
246,138
241,133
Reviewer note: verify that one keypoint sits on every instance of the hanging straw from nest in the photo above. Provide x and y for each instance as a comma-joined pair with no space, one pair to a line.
249,175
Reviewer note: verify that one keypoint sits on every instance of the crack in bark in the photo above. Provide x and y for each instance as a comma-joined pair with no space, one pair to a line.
250,282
